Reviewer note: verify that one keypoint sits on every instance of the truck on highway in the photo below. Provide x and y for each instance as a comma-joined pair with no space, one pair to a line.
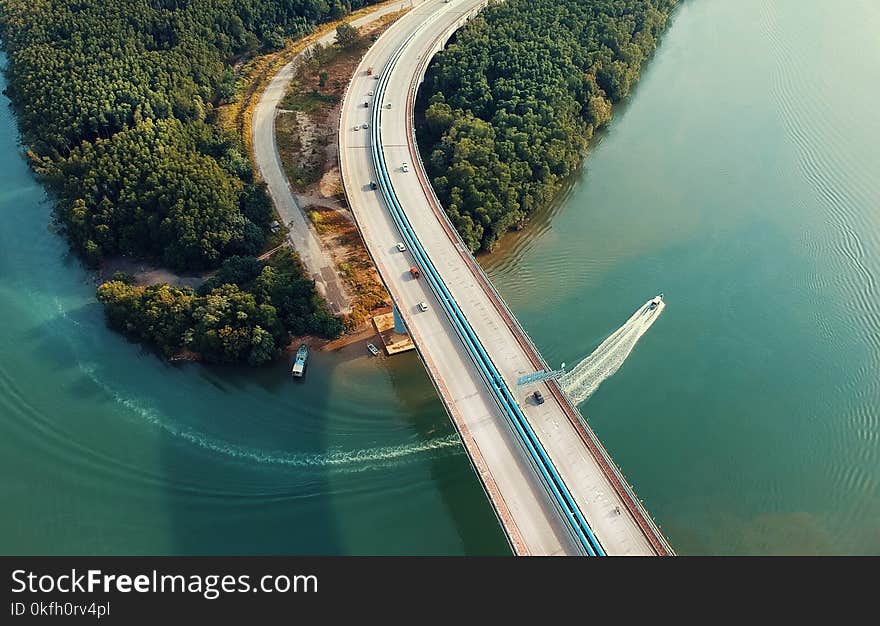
414,272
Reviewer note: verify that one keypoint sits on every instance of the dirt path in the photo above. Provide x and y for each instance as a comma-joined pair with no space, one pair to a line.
315,257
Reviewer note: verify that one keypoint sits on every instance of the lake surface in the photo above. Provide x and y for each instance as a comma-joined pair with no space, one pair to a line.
741,179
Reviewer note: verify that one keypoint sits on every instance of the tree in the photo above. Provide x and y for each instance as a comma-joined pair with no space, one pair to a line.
511,104
245,313
347,36
115,101
274,39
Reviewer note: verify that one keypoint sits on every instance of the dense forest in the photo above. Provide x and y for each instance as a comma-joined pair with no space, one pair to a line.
246,312
112,99
511,105
116,100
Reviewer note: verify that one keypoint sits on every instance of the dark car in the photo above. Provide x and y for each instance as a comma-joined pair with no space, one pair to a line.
372,185
539,397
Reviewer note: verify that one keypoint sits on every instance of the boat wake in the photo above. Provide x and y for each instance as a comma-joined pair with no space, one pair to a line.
583,380
338,460
335,460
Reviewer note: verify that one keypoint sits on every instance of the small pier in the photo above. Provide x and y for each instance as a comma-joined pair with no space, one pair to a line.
393,341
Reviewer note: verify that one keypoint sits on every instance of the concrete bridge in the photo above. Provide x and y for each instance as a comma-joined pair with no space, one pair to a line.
553,486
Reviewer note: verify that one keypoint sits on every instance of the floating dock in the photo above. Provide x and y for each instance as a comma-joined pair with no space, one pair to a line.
393,341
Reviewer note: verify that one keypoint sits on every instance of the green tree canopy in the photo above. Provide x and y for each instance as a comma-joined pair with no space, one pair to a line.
511,104
245,314
115,101
348,36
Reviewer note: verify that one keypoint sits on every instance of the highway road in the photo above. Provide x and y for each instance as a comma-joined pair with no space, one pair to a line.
529,515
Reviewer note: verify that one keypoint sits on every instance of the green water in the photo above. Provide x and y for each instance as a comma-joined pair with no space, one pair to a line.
741,179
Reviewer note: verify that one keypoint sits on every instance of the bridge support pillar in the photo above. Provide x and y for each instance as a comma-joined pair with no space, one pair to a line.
399,326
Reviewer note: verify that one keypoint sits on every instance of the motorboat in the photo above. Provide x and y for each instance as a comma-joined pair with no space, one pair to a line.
302,357
655,301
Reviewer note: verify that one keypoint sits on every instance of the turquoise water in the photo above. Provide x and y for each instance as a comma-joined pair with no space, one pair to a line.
741,179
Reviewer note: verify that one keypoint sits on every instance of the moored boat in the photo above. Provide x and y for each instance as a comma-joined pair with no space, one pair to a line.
302,357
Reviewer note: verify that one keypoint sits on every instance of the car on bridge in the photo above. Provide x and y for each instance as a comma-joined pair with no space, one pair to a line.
414,272
401,247
538,397
423,306
405,166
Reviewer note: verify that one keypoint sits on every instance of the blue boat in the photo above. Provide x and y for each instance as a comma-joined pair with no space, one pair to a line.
302,357
373,349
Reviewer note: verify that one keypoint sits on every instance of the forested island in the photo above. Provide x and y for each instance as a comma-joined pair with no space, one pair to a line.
511,105
117,103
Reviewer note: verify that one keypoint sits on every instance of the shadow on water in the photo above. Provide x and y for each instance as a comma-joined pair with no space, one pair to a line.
459,488
258,505
143,456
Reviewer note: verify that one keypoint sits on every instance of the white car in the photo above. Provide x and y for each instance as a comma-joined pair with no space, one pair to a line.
357,127
370,94
405,166
401,247
388,106
365,125
423,306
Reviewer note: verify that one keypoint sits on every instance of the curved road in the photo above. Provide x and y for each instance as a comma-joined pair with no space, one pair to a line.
315,258
526,511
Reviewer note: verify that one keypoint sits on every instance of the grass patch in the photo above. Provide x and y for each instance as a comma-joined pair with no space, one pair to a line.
307,102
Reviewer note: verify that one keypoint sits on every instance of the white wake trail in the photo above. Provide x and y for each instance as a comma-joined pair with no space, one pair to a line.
586,376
